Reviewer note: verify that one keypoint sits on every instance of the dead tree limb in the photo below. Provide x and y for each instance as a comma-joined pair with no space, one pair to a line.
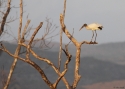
31,40
17,50
65,66
35,32
61,33
61,75
25,28
78,51
21,16
32,64
52,65
5,17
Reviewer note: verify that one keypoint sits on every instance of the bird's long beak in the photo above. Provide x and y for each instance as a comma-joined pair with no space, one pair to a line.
81,28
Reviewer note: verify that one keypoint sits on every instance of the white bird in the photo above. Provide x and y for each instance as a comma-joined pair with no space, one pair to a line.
93,27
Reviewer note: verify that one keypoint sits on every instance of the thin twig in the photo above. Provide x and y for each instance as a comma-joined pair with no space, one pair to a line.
25,28
64,10
21,16
61,34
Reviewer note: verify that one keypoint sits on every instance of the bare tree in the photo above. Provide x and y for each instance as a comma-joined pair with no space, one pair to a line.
22,42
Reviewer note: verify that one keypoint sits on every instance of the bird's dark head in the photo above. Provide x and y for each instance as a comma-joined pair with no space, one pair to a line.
84,25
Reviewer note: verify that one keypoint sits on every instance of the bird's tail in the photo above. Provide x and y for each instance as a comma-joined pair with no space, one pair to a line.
100,28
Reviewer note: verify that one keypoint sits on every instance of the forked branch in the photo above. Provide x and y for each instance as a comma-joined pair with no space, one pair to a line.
61,75
31,40
65,66
32,64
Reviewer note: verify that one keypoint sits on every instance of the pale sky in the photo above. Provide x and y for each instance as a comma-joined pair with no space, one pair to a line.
109,13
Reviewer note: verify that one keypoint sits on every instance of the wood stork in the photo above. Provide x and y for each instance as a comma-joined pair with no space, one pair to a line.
93,27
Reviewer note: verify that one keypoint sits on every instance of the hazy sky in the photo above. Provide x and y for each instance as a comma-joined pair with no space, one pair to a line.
109,13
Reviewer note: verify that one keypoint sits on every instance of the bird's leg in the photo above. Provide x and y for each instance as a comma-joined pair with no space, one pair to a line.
95,36
92,36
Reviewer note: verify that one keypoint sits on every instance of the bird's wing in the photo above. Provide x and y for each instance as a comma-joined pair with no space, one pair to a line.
99,25
96,25
93,25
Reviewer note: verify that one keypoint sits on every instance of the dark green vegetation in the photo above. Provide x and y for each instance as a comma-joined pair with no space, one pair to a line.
99,63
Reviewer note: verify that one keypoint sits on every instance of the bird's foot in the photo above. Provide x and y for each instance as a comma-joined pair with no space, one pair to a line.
90,42
95,42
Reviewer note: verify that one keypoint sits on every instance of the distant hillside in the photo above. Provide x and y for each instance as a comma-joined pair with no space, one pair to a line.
93,70
113,52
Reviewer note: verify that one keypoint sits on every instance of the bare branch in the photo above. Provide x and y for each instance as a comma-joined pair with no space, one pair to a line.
68,56
31,40
75,42
64,10
49,63
61,34
17,50
59,78
86,42
60,49
32,64
34,34
65,66
77,64
50,28
21,16
5,17
12,67
25,28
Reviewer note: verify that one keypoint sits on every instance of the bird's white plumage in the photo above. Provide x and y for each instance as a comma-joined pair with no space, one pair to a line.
94,26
